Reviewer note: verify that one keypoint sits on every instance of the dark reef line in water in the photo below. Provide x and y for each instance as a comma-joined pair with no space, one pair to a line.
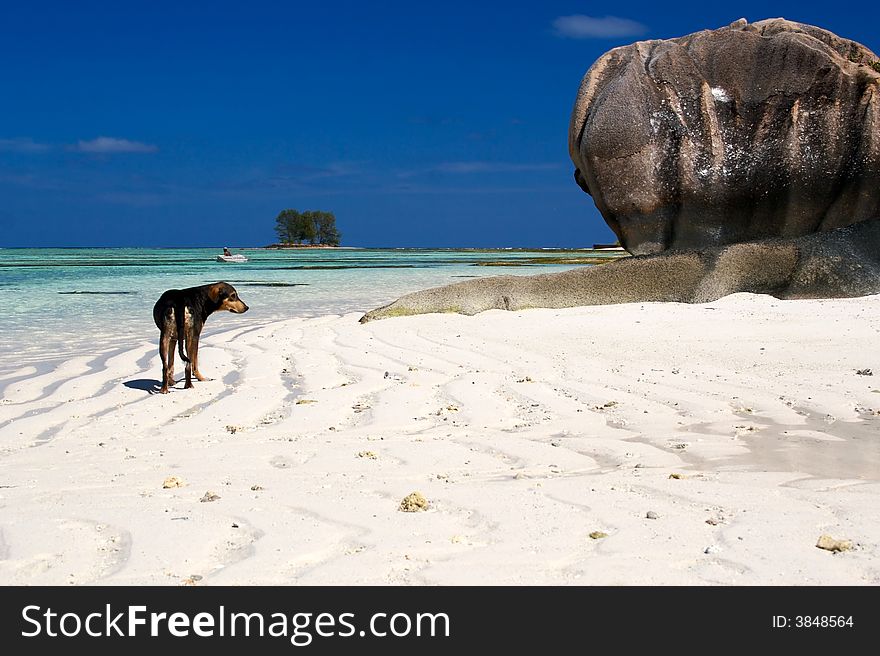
242,283
96,293
538,261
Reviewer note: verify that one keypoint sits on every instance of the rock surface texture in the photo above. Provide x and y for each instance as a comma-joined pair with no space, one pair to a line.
841,263
752,131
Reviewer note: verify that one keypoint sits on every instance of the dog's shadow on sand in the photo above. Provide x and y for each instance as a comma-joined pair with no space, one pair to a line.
143,384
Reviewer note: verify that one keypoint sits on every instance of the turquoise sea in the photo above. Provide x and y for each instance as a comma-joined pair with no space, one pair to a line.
63,302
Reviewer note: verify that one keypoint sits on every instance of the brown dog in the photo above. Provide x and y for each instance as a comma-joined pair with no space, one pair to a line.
180,314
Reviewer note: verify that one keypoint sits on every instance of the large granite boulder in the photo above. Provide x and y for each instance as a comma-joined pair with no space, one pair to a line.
745,159
751,131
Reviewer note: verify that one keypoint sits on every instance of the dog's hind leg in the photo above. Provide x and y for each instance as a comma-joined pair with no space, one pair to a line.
166,352
169,378
191,360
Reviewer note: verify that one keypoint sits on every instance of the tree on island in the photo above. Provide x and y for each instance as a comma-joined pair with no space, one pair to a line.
311,226
325,228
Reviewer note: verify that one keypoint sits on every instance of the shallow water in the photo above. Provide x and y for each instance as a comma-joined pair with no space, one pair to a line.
64,302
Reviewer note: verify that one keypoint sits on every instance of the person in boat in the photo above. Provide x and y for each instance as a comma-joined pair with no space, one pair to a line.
226,252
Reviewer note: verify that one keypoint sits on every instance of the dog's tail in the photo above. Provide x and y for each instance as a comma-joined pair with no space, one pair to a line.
180,318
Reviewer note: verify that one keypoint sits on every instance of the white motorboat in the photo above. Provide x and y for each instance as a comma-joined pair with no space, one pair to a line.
238,257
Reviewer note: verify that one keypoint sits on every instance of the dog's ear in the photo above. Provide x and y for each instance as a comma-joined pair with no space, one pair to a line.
215,291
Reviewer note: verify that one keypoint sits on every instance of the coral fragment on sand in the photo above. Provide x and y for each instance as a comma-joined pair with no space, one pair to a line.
413,502
828,543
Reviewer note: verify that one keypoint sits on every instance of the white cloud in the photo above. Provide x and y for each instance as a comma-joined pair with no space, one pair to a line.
579,26
22,145
111,145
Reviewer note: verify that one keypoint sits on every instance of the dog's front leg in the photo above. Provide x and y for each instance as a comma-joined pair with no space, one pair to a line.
194,356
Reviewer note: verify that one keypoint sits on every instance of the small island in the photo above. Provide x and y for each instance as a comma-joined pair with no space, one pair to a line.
309,229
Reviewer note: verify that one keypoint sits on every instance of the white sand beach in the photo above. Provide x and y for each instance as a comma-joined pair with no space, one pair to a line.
741,426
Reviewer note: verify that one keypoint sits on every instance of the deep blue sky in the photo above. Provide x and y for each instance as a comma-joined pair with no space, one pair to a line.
418,124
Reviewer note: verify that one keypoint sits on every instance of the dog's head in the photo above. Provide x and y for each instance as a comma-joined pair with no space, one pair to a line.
226,298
